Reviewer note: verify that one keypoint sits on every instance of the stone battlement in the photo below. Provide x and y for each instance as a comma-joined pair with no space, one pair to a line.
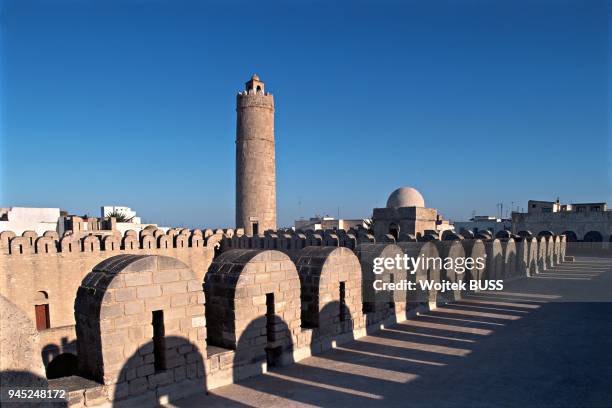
227,318
47,270
247,99
29,243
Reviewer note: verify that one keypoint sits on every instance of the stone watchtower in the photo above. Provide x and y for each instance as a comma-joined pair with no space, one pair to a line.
255,159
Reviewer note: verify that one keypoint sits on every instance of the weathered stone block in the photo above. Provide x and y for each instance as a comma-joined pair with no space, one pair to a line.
150,291
173,288
138,279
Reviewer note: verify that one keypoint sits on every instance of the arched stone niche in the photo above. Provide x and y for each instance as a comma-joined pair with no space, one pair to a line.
533,256
541,254
562,247
475,248
522,256
314,238
550,251
495,259
380,303
509,258
330,280
145,309
456,271
467,234
557,250
425,271
253,296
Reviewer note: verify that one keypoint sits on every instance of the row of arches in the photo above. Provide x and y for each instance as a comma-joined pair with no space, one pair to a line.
571,236
260,306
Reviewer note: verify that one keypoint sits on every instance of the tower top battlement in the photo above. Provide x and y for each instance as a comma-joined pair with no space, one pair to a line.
254,84
254,89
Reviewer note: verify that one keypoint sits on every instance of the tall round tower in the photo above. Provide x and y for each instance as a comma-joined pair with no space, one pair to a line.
255,159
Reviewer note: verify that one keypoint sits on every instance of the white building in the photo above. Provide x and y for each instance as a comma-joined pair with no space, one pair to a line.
20,219
484,222
324,223
127,211
40,220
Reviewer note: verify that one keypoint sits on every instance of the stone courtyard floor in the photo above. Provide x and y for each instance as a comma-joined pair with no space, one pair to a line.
533,344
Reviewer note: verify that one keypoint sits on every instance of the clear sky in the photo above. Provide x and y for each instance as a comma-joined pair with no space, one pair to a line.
471,102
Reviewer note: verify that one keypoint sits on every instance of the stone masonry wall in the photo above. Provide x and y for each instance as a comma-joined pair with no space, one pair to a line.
253,304
32,265
330,280
380,303
114,312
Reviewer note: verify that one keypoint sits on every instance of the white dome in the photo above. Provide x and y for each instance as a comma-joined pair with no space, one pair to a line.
405,197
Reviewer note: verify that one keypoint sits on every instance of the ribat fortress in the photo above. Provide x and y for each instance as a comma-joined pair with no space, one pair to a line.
153,316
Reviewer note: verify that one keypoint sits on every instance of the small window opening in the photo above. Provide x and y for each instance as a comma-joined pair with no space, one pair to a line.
274,351
159,343
342,301
270,312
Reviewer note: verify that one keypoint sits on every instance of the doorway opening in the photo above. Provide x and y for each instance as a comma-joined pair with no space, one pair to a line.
42,317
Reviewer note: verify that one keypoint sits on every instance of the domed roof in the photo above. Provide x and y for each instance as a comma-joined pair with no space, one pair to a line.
405,197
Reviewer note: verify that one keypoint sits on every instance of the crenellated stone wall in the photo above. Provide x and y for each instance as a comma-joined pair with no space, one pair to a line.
48,270
231,317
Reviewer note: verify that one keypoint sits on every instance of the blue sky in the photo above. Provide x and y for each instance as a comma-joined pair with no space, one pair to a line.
471,102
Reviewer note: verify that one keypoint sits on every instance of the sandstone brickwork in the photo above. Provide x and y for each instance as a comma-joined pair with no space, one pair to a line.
453,250
562,247
253,304
557,249
255,298
422,297
510,258
57,267
115,313
532,257
20,361
330,290
522,256
380,304
541,254
475,248
495,259
550,251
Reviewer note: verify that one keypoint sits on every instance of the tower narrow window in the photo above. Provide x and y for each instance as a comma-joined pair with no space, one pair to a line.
159,343
256,228
342,301
42,317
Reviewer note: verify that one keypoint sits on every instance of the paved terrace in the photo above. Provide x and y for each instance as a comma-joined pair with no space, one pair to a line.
530,345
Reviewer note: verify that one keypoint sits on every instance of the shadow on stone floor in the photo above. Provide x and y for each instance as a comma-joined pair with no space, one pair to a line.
517,349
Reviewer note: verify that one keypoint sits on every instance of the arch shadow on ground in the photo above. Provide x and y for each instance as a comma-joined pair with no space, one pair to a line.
181,373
